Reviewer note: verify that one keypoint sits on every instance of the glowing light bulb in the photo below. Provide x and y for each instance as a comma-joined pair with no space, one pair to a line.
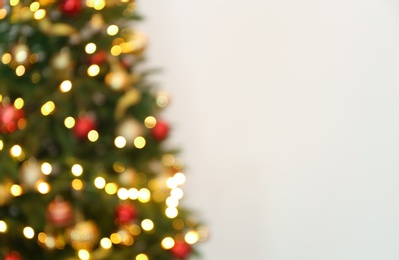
191,237
65,86
147,224
106,243
28,232
99,182
167,243
77,170
3,226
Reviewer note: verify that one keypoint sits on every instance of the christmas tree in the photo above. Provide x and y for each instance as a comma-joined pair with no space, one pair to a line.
84,169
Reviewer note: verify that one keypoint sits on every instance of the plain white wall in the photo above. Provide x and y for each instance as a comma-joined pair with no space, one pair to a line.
287,113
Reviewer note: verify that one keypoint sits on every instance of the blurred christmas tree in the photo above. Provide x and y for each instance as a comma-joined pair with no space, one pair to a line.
84,172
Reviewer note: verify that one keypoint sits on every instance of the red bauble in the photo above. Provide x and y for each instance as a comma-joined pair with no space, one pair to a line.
9,117
125,213
71,7
98,58
160,131
60,213
14,255
83,126
181,249
1,3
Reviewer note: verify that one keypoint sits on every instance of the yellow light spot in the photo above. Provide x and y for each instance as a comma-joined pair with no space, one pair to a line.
48,108
99,4
139,142
178,224
171,212
83,254
150,121
20,70
172,202
147,224
16,151
46,168
141,257
19,103
162,99
65,86
116,238
177,193
180,178
42,237
93,70
69,122
119,167
39,14
171,183
77,184
93,136
112,30
3,13
123,194
14,2
3,226
120,142
191,237
1,145
90,48
168,160
77,170
43,187
111,188
167,243
16,190
99,182
29,233
6,58
106,243
34,6
133,193
144,195
135,230
116,50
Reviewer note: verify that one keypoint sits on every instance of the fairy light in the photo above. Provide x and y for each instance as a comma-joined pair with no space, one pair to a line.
1,145
133,193
46,168
116,238
77,170
91,48
111,188
139,142
99,182
123,194
118,167
177,193
14,2
192,237
180,178
16,151
48,108
42,237
144,195
120,142
116,50
167,243
141,257
39,14
28,232
106,243
93,136
3,13
66,86
34,6
20,70
19,103
150,122
43,187
135,230
168,160
16,190
147,224
171,212
99,4
172,202
112,30
171,183
69,122
6,58
93,70
83,254
77,184
3,226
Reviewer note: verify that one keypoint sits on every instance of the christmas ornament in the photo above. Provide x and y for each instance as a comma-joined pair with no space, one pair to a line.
125,213
30,173
71,7
129,99
83,126
97,22
181,249
60,213
98,58
62,60
135,43
14,255
9,117
128,177
160,131
84,235
130,129
21,53
56,29
118,79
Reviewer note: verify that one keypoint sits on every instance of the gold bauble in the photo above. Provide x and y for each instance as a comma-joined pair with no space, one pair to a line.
129,99
128,177
30,173
62,60
130,129
84,235
135,43
118,79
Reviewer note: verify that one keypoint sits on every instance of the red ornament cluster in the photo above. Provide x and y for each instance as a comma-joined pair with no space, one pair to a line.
83,126
160,131
9,117
125,214
181,249
60,213
71,7
14,255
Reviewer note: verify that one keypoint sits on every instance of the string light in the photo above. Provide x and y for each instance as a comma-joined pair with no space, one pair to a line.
3,13
191,237
93,136
77,170
123,194
112,30
83,254
48,108
1,145
66,86
3,226
111,188
99,182
180,178
16,190
147,224
28,232
120,142
116,238
16,151
19,103
177,193
172,202
43,187
69,122
6,58
133,193
77,184
34,6
167,243
39,14
106,243
144,195
141,257
150,121
46,168
171,212
90,48
20,70
93,70
139,142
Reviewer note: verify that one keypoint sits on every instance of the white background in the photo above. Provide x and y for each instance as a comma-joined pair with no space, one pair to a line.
287,113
